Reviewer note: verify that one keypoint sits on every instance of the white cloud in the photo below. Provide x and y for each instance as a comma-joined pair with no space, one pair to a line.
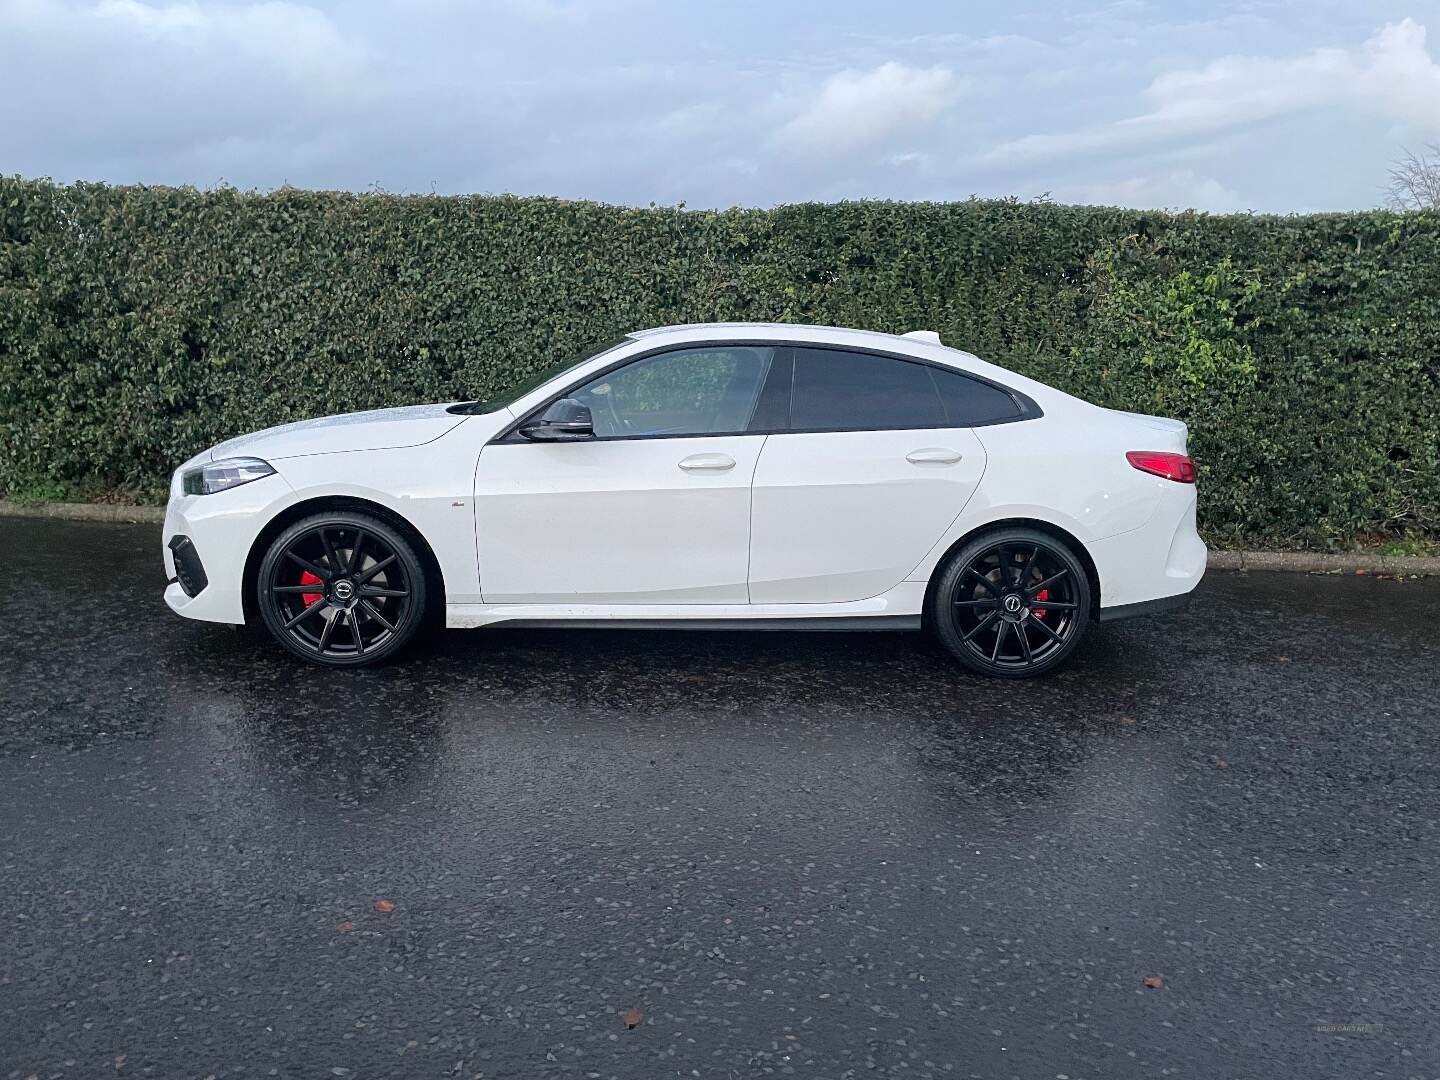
1391,75
145,79
859,108
1181,189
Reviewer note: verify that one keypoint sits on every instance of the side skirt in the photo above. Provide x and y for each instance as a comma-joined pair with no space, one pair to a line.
898,609
859,623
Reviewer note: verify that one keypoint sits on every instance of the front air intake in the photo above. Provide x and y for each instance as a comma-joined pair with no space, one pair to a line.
189,570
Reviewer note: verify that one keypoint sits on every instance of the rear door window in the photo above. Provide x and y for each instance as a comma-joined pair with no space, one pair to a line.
838,390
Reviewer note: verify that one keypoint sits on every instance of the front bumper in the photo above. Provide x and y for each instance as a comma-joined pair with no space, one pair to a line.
206,542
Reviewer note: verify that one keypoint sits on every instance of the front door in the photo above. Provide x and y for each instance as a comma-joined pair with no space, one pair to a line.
654,509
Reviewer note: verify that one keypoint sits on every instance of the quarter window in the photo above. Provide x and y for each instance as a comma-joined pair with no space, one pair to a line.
969,401
704,391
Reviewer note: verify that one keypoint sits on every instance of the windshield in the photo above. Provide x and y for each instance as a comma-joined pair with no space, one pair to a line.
523,386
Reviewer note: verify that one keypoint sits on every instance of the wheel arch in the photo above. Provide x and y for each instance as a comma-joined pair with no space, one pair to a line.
1066,537
434,580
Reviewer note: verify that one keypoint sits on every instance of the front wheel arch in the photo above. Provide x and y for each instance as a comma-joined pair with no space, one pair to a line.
434,580
1065,537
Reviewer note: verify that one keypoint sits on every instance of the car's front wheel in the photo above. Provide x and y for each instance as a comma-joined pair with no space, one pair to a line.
341,589
1012,602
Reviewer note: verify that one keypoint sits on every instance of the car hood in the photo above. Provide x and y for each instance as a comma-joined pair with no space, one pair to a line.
378,429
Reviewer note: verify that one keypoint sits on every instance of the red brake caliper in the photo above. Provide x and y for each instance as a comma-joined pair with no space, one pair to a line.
1039,612
308,598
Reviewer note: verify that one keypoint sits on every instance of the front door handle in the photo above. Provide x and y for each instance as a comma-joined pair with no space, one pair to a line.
710,462
933,455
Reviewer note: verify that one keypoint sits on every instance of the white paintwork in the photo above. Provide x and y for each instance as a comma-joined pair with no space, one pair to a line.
841,516
905,598
377,429
626,521
800,525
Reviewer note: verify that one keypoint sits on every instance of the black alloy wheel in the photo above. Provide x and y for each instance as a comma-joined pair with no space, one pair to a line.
342,590
1012,603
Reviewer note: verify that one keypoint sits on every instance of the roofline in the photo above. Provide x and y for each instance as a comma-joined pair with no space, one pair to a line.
739,329
923,348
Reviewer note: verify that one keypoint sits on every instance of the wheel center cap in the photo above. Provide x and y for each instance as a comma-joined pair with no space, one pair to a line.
1013,604
343,591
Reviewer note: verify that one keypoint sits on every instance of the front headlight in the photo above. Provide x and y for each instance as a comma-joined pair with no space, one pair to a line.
223,475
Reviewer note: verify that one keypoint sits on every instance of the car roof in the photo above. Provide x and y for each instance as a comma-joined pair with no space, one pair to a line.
772,330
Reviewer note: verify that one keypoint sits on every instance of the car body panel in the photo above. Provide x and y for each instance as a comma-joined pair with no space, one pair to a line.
905,599
842,516
375,429
616,521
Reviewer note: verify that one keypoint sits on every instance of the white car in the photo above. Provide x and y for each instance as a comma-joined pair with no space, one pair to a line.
755,476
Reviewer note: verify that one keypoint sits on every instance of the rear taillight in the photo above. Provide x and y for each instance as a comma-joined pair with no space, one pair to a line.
1175,467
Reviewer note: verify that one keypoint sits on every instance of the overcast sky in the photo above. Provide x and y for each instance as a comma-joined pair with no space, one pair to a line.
1270,105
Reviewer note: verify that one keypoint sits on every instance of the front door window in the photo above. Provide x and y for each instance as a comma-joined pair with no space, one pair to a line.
702,391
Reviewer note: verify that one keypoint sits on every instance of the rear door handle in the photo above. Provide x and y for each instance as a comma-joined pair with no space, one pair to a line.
933,455
710,462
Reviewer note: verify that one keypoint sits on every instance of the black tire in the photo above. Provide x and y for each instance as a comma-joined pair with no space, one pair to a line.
1012,603
323,607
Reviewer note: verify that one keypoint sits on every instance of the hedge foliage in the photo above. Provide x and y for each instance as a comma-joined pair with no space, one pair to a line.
138,325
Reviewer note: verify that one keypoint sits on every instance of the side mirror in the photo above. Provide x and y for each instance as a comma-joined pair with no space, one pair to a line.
564,420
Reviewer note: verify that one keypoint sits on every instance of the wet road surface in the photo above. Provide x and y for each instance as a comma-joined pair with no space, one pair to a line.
811,855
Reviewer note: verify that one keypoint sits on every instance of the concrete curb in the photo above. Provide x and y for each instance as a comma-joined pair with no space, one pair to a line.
130,515
1307,562
1315,562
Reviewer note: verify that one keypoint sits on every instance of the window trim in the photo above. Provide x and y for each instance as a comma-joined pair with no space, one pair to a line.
1028,408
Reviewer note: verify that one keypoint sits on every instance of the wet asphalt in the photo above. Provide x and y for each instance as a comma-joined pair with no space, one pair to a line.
810,855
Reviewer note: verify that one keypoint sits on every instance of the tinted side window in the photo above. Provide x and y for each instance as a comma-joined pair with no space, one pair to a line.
705,391
845,391
969,401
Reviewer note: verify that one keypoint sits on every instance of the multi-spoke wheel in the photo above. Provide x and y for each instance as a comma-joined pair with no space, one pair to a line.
341,589
1013,602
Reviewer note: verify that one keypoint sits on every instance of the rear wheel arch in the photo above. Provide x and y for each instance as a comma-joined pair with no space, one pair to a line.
434,581
1064,536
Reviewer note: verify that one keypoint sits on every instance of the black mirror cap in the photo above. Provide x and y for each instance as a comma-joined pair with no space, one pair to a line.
564,419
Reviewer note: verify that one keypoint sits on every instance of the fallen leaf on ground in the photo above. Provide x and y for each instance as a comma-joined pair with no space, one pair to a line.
632,1017
384,906
345,927
1153,982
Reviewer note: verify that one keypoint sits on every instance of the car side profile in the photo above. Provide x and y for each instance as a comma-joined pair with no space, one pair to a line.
736,476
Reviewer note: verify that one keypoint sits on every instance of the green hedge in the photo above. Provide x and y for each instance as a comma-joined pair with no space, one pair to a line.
138,325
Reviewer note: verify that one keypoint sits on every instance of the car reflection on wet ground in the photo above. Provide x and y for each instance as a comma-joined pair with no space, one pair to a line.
646,854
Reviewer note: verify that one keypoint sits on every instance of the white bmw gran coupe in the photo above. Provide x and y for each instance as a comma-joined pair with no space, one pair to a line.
754,476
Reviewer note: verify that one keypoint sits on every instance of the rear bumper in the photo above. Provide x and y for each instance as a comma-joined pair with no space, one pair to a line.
1156,567
1178,602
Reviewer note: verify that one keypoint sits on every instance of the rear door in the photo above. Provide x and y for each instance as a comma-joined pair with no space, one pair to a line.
875,461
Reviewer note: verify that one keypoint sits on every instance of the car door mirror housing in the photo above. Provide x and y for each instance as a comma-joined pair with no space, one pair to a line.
562,420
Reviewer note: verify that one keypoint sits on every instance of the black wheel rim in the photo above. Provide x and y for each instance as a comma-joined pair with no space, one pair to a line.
1016,604
339,591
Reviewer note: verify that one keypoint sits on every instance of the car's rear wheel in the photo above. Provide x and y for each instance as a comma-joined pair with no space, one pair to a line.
1013,602
342,589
